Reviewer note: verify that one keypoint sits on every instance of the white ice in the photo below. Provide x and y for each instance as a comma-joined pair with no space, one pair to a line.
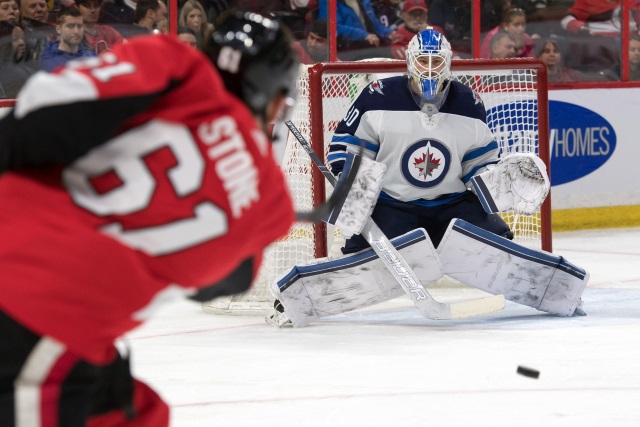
389,366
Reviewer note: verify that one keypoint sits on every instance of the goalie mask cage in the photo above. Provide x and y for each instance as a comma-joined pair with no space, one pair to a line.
514,93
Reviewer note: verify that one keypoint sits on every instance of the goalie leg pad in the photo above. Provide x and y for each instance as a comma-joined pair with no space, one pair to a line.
496,265
359,280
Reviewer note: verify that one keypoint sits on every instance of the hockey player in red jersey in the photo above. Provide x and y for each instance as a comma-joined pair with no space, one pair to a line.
129,178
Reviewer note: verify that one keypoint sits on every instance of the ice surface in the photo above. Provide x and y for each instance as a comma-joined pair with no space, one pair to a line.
389,366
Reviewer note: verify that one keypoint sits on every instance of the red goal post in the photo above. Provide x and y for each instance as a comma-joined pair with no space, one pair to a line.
514,93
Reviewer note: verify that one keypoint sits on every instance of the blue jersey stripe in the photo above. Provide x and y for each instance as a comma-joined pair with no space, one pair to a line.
514,249
363,257
492,146
474,172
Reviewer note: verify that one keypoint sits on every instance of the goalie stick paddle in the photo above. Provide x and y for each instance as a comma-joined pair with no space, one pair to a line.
400,269
340,192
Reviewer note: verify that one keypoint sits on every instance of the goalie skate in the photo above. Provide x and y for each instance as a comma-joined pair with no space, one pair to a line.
277,317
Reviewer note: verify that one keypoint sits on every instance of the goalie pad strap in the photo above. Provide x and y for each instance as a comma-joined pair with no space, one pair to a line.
484,195
512,248
499,266
328,266
330,287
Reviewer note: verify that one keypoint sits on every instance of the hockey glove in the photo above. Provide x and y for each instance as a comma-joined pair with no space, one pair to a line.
518,182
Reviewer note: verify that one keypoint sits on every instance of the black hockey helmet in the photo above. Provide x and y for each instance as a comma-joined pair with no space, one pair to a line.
254,54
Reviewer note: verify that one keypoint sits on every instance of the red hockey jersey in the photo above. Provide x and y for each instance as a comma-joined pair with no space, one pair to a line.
134,175
601,16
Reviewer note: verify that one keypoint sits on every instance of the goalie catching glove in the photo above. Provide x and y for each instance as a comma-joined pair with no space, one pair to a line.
352,215
518,182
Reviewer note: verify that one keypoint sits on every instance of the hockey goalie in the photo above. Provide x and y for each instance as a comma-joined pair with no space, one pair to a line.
433,178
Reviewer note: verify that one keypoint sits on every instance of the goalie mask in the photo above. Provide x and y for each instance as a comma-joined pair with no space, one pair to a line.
429,63
254,56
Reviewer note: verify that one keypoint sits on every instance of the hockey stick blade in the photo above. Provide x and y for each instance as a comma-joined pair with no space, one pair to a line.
400,269
477,307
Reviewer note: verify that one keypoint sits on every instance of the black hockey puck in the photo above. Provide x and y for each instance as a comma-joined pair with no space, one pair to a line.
528,372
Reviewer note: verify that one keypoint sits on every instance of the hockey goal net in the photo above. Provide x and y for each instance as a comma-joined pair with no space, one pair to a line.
514,93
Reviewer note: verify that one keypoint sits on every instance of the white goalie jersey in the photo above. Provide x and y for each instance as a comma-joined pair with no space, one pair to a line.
429,160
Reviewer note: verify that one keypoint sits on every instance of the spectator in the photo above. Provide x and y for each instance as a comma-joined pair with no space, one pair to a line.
38,32
414,15
188,36
514,22
388,12
13,47
530,7
634,62
314,48
70,31
502,46
358,26
550,53
599,17
15,68
9,11
148,14
35,10
597,24
99,37
192,15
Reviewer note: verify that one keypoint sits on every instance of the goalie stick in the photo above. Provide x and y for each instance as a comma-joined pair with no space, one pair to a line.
337,197
400,269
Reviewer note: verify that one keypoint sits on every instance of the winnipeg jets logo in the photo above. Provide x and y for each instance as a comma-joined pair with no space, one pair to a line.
376,87
426,163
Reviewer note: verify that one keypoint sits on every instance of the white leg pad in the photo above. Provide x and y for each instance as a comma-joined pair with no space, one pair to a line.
496,265
333,286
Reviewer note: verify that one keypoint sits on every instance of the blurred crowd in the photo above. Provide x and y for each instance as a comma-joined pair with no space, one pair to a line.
42,35
578,40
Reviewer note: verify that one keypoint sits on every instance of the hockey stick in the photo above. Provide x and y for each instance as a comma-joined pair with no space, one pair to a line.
337,198
400,269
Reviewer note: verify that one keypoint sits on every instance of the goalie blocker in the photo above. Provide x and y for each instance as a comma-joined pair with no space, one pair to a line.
353,213
467,253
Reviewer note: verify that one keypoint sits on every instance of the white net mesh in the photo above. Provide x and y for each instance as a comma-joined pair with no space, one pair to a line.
511,100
